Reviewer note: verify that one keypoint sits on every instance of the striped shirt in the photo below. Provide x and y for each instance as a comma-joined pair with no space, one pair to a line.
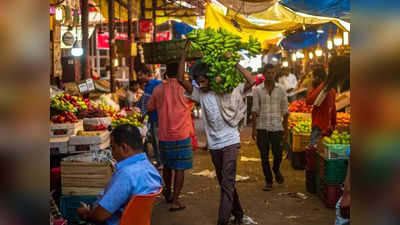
270,108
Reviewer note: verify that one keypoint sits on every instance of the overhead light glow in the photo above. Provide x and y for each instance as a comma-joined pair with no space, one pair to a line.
310,55
294,57
76,51
338,40
346,38
59,15
329,44
285,63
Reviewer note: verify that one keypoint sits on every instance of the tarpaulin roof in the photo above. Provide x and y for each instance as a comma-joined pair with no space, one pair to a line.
182,28
332,8
277,19
308,39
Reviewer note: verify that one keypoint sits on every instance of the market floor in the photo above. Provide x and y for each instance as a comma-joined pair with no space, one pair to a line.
201,195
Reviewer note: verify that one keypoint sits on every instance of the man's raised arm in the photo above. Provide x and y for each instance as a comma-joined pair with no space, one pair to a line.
181,70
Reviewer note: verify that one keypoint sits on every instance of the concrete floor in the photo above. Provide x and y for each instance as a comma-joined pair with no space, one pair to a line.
201,194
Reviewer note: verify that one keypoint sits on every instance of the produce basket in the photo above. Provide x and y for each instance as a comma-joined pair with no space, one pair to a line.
165,52
336,151
300,142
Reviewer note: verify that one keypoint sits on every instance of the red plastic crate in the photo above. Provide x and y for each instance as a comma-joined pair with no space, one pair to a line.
330,194
311,159
55,178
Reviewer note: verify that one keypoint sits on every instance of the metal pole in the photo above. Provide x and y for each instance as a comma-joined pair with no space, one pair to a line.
85,39
111,20
130,30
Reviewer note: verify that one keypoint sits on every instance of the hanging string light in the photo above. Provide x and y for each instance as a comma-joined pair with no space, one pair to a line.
338,40
318,51
310,55
345,38
59,14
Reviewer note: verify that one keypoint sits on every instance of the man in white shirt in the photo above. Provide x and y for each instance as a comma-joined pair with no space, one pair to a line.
289,82
270,105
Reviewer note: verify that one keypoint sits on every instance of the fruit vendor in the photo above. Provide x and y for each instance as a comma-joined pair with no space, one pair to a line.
323,116
149,84
134,175
133,94
270,104
175,129
223,137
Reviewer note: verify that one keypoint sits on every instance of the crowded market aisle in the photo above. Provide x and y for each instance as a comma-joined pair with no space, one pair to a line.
201,194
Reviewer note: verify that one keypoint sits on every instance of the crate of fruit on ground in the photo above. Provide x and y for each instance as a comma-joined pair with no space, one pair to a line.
336,145
301,135
89,141
86,174
332,171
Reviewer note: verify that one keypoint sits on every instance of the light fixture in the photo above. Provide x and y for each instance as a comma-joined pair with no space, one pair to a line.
59,14
285,63
338,40
77,49
320,31
310,55
116,62
318,51
294,57
329,44
345,38
299,54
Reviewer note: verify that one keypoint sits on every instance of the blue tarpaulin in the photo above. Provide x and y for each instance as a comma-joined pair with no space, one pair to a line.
331,8
308,39
182,28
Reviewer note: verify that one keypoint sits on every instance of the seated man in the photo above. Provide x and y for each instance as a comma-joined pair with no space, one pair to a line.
134,175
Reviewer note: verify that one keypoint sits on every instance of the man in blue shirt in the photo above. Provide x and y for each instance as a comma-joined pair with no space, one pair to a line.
134,175
144,76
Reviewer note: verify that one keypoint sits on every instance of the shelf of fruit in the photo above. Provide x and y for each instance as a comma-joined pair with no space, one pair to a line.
300,106
64,117
108,110
338,138
66,102
342,119
92,113
135,120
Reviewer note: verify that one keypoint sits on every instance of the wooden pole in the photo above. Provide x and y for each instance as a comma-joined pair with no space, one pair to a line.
142,9
130,31
154,4
111,29
85,39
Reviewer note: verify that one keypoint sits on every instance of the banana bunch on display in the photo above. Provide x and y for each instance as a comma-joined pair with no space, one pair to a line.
221,52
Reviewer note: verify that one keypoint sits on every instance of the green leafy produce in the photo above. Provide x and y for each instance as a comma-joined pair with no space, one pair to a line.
214,45
338,138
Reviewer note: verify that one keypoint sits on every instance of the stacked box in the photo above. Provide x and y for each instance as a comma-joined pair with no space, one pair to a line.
65,129
81,144
58,145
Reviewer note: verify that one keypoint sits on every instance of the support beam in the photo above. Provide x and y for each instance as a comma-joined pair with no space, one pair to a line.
154,17
111,29
142,9
85,40
130,31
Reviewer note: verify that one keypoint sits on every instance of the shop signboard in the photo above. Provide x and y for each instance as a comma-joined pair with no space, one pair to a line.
103,39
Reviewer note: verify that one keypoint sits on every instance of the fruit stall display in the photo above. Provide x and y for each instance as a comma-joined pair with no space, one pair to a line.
108,109
92,113
64,117
135,120
337,144
66,102
301,135
342,119
215,46
300,106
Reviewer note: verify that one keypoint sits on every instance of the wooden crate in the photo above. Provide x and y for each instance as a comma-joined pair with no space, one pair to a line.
83,178
83,148
90,140
65,129
300,142
59,145
88,122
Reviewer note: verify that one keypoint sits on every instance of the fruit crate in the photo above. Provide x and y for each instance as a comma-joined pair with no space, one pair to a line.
311,160
69,204
88,122
300,142
58,145
332,171
165,52
84,178
330,194
299,160
65,129
103,138
310,181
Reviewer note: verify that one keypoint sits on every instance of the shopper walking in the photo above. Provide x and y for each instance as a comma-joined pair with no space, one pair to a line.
149,84
175,128
270,105
222,133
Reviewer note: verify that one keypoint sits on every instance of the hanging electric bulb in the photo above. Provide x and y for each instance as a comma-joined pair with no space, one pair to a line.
116,62
299,54
294,57
345,38
285,63
310,55
59,14
329,44
338,40
318,51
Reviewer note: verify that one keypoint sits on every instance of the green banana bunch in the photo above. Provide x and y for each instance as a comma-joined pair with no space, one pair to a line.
215,44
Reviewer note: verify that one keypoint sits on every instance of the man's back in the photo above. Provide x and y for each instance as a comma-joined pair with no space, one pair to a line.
173,109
